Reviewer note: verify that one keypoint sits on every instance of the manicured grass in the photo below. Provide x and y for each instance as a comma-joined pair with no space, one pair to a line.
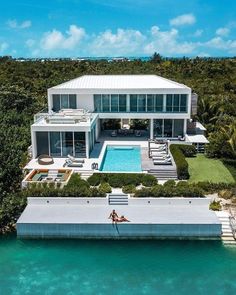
202,168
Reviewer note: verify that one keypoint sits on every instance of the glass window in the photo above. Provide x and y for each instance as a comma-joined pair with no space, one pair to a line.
178,127
67,143
183,103
42,143
168,127
72,101
56,105
169,103
158,125
133,102
176,103
79,143
106,102
97,103
55,144
150,103
122,103
159,103
114,102
142,103
64,101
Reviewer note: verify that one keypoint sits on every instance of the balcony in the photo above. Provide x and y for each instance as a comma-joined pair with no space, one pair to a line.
65,116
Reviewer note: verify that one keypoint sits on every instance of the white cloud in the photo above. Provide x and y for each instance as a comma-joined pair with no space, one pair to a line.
126,42
222,32
56,40
198,33
119,43
166,43
218,43
13,24
3,46
184,19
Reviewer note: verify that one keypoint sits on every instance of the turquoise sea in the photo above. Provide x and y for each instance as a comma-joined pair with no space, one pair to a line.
116,267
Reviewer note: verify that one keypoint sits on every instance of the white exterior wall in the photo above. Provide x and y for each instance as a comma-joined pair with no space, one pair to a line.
84,99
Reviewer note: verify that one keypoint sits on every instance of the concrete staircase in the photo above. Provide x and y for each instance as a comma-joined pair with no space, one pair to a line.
85,174
117,199
165,173
227,234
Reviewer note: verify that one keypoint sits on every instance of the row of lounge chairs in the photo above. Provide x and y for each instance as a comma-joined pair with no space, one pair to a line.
73,162
160,155
125,132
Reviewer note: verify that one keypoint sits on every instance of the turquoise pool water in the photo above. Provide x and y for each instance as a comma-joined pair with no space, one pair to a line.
116,267
121,158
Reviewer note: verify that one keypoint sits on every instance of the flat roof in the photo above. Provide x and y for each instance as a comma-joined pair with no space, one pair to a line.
98,214
197,138
120,82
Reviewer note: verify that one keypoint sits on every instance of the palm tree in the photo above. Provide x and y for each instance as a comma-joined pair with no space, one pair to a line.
230,131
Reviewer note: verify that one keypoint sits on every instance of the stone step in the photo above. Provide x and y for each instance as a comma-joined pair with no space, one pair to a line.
118,199
227,235
224,239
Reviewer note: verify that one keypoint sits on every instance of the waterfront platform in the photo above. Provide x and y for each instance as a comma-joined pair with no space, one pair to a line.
88,218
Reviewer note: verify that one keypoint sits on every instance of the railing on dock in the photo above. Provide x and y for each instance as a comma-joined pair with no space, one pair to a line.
232,222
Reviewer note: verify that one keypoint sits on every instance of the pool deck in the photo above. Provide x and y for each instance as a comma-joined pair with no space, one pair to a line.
74,217
98,153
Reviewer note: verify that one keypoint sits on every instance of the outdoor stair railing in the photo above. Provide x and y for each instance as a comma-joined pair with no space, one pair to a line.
232,222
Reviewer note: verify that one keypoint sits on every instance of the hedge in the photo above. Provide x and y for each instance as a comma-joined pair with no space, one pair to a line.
184,190
180,161
120,179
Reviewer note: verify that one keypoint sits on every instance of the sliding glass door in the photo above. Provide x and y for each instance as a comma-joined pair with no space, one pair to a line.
67,143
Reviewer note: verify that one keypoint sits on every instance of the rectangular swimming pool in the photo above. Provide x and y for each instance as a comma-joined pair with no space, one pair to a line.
121,159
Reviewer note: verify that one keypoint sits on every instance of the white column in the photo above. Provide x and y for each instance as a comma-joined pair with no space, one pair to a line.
185,126
164,103
34,144
151,128
87,144
128,103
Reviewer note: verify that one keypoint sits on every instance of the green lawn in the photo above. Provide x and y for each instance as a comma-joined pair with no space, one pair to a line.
202,168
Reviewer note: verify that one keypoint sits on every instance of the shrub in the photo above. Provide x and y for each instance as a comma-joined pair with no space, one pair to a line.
148,180
180,161
169,191
169,183
215,206
129,189
104,187
96,193
227,194
95,179
75,181
143,193
211,187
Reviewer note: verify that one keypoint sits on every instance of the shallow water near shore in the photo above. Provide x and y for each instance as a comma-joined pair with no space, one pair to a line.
116,267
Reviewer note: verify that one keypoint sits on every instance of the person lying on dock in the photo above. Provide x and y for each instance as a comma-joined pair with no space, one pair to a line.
113,216
122,219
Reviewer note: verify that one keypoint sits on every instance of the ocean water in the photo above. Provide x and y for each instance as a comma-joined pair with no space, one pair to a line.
116,267
122,158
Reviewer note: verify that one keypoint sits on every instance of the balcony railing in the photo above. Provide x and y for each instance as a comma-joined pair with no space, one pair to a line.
65,116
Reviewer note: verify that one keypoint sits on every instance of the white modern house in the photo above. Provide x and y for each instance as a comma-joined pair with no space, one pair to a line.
78,111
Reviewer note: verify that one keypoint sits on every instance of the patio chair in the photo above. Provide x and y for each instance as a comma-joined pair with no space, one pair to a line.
75,160
138,133
156,153
162,162
114,133
161,157
69,163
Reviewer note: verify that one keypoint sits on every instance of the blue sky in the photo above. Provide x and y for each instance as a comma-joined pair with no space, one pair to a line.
76,28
